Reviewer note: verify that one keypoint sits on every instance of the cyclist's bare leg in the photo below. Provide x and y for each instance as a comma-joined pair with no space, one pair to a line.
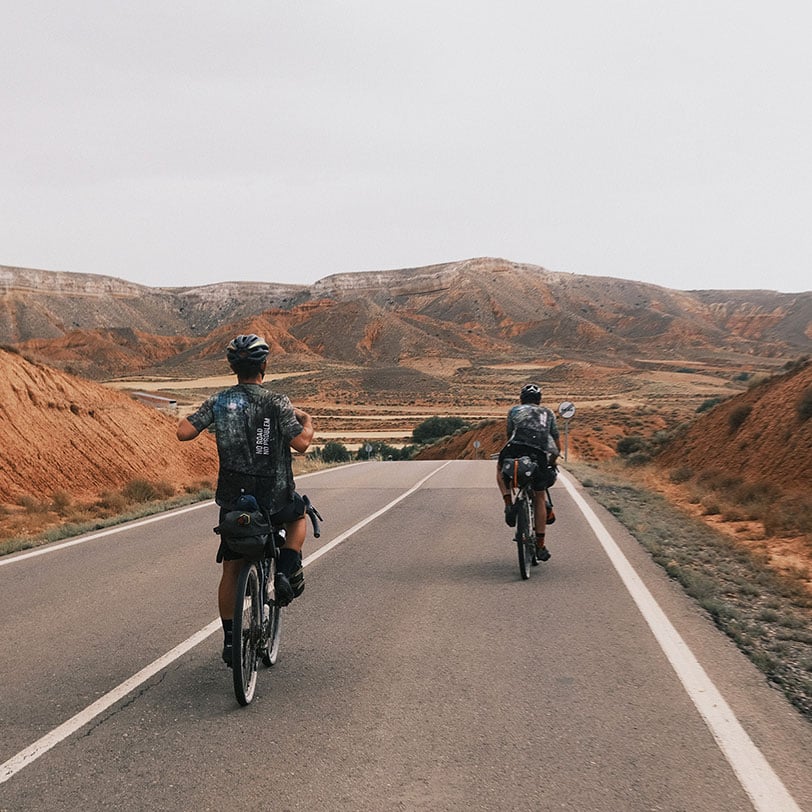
295,533
500,481
540,507
227,591
290,556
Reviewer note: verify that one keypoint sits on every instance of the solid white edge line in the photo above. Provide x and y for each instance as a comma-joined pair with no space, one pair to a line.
45,743
758,779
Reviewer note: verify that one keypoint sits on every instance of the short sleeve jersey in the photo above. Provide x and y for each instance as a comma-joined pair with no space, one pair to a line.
533,426
253,428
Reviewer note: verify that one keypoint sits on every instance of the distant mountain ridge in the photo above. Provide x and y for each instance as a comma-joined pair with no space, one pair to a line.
50,304
487,309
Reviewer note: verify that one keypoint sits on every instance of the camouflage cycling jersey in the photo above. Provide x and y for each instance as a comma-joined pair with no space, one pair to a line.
533,426
253,428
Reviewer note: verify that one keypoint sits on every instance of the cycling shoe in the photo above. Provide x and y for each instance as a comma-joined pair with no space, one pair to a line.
296,581
284,591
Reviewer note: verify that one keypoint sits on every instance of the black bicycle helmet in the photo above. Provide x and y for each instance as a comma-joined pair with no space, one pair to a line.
531,393
249,348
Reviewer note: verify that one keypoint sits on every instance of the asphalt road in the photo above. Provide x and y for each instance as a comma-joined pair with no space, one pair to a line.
417,671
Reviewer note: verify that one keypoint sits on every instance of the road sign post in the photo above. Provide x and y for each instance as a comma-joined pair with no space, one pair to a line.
567,411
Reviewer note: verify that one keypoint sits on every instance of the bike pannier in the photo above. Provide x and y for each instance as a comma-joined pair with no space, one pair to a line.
245,532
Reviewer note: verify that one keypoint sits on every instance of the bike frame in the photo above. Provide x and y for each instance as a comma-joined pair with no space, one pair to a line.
257,617
257,620
524,500
525,538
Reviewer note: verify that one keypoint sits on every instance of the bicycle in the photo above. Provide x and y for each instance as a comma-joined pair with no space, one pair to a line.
257,615
518,473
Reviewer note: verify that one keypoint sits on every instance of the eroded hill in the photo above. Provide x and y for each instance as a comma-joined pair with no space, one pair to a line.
63,435
763,435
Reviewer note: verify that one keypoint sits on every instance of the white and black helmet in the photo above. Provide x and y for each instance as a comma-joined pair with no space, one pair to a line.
531,393
247,348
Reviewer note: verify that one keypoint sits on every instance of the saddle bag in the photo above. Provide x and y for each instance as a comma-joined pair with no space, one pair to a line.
246,532
516,471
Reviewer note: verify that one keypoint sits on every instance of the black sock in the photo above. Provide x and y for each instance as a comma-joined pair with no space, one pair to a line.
228,626
289,560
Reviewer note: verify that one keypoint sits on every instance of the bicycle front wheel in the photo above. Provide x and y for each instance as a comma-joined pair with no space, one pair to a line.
525,537
246,634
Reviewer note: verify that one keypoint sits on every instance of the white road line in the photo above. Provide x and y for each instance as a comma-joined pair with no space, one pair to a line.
119,528
58,734
13,558
758,779
355,528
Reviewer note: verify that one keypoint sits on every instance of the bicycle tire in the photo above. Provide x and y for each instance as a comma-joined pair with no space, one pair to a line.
273,626
246,634
524,529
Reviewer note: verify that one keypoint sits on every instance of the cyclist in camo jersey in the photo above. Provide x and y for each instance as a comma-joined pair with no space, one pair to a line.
255,431
532,432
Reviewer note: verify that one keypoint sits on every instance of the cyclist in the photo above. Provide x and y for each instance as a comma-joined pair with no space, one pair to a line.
532,432
255,430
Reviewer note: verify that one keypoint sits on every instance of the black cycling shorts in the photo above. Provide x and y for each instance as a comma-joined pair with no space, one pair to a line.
292,511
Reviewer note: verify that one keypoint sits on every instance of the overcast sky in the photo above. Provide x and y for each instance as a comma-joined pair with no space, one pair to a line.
181,143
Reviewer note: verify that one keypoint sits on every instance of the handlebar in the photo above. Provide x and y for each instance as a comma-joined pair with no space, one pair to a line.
315,516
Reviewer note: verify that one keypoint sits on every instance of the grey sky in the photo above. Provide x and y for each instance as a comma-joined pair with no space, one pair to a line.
182,143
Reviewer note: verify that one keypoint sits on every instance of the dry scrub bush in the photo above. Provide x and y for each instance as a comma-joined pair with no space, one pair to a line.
738,416
112,502
32,505
804,407
61,502
142,490
710,507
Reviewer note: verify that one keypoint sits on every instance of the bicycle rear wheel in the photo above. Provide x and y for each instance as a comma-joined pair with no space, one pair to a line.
525,540
246,634
273,624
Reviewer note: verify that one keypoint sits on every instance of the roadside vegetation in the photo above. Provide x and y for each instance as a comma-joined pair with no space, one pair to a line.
334,452
767,615
37,521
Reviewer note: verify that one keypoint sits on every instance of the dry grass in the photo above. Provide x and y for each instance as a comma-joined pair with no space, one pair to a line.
36,521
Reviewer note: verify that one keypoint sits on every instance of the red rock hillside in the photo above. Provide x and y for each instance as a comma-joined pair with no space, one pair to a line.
761,435
64,434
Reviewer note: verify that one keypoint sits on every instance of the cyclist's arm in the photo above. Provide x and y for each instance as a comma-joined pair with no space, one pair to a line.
186,431
189,427
301,441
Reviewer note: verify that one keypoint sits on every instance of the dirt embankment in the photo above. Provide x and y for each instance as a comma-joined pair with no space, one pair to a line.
761,435
61,434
